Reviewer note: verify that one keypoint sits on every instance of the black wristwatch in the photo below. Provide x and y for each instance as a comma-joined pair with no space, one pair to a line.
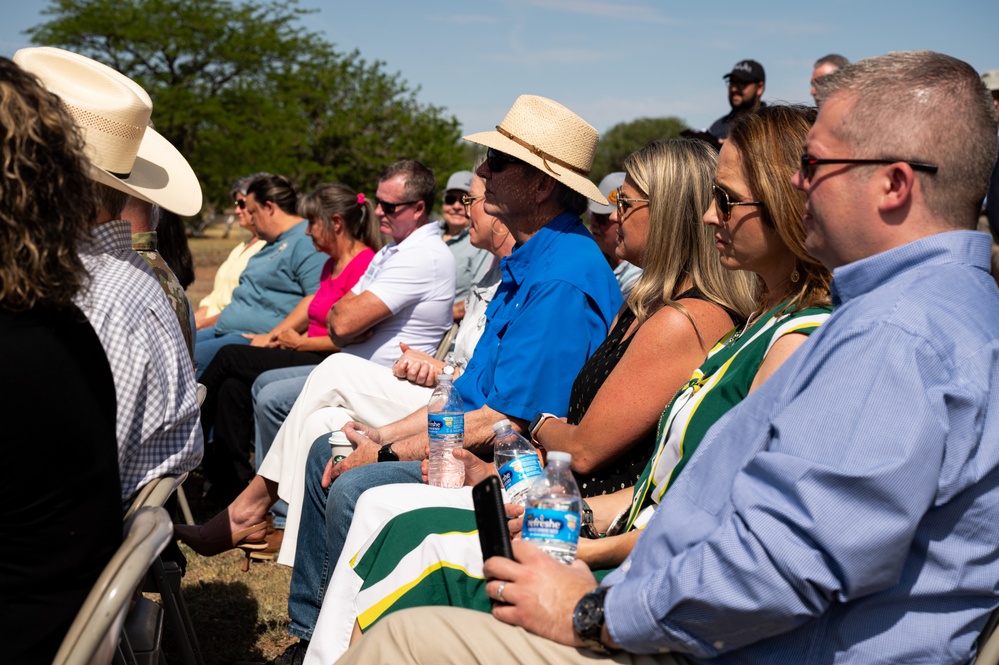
386,454
586,528
588,619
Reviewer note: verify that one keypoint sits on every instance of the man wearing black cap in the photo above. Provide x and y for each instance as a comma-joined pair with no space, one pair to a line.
745,87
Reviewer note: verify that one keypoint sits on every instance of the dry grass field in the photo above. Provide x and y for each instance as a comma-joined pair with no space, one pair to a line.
237,616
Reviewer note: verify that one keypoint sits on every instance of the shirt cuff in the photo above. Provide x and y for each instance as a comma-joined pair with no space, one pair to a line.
631,622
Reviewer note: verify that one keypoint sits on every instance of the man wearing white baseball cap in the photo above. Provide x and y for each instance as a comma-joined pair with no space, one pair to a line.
157,422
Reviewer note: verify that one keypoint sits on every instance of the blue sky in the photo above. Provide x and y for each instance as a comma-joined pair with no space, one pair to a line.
616,61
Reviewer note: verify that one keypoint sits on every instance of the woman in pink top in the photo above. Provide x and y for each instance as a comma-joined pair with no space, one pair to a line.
342,224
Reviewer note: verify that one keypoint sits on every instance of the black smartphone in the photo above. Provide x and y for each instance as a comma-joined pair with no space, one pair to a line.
490,518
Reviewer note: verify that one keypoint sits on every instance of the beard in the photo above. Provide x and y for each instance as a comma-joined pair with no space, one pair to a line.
748,103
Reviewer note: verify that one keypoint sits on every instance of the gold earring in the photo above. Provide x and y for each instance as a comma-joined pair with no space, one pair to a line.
794,275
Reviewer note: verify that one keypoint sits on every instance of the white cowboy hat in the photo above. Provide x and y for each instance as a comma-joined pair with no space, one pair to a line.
549,137
112,113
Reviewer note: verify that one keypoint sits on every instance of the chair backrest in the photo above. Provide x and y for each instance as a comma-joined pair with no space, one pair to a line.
94,634
445,346
202,393
988,642
155,493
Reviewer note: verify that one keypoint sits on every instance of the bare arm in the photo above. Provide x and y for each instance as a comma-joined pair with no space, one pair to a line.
778,353
663,354
202,320
353,315
479,436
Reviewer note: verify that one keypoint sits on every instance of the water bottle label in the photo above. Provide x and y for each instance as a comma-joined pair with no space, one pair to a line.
518,470
446,425
551,524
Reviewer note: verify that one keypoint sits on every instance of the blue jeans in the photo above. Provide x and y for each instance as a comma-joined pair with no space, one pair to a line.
326,517
207,344
274,393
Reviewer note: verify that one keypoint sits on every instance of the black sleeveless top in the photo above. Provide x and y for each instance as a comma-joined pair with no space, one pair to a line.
623,471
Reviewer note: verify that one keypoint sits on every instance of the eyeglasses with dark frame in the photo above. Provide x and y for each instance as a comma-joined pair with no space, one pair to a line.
390,208
467,201
808,164
241,204
618,199
725,204
497,161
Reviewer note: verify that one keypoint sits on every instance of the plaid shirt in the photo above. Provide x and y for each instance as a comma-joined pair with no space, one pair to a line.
158,425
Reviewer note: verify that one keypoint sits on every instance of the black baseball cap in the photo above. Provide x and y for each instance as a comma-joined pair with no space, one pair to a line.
747,71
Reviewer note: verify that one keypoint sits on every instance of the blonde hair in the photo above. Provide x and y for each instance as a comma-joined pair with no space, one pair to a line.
770,141
676,176
47,199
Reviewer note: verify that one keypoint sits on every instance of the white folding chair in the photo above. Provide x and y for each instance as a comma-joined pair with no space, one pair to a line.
446,343
94,634
164,576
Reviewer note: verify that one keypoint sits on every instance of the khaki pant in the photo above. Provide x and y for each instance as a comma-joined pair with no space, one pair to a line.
441,635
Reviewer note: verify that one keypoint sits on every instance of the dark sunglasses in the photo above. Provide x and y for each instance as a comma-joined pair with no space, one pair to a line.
497,161
389,208
451,199
726,204
241,204
808,164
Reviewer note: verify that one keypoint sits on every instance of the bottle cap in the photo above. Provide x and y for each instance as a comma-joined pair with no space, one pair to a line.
445,378
559,456
501,425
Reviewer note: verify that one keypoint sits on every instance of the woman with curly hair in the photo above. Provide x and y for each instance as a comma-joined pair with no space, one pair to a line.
59,529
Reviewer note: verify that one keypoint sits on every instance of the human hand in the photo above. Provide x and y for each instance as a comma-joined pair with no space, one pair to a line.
476,469
358,433
262,340
539,593
417,367
365,452
289,339
515,517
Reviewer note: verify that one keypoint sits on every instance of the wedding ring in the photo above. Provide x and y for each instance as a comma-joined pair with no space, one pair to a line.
499,592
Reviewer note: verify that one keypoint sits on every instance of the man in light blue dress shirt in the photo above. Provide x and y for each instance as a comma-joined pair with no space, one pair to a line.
845,512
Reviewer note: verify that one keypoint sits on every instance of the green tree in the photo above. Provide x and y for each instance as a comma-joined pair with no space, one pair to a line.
625,138
241,87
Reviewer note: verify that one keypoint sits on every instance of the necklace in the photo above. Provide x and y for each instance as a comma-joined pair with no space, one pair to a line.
739,333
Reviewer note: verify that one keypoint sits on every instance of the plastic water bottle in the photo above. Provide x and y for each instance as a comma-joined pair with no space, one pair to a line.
446,429
551,519
516,460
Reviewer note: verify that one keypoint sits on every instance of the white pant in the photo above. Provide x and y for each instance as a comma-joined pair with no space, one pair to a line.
342,388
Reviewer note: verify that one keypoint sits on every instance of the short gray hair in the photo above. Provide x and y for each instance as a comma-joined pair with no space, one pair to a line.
922,106
834,59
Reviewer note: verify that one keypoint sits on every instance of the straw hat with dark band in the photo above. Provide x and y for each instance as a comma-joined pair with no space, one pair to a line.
549,137
113,113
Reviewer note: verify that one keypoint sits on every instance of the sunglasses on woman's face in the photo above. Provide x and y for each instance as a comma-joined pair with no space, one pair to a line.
726,204
451,199
241,204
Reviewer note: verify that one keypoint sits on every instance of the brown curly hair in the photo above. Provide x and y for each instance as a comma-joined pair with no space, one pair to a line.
47,200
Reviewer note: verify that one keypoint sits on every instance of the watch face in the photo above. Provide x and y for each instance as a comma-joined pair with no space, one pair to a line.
588,619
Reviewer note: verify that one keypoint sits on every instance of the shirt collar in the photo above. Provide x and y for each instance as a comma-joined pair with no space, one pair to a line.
858,278
113,236
419,232
144,241
292,230
519,262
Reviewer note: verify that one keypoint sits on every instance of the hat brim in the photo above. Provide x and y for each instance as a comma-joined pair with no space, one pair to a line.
160,175
569,178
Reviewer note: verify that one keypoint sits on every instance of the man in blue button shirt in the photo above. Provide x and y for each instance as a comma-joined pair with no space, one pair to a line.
845,511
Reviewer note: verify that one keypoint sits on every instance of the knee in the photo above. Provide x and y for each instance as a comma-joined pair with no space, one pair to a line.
273,400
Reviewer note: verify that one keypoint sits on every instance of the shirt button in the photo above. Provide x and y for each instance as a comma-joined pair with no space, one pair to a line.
718,644
626,566
663,650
